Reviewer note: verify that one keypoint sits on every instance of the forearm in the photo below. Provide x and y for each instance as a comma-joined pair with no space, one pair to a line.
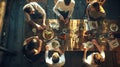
84,56
102,2
32,23
44,19
56,12
87,1
40,45
87,13
46,53
27,40
98,47
70,13
61,52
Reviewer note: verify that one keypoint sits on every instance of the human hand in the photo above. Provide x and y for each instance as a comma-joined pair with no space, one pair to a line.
36,37
94,42
85,49
66,20
35,51
61,18
44,26
47,47
39,27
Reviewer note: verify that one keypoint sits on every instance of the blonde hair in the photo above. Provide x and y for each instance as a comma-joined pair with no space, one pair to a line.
55,57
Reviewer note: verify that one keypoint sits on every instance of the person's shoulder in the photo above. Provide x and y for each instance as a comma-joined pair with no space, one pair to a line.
60,1
89,5
73,1
33,3
102,52
95,53
26,5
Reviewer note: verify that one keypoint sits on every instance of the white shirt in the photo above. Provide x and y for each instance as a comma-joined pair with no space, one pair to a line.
60,5
35,6
51,64
49,60
90,59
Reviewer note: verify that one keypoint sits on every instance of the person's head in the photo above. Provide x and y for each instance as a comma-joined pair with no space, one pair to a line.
55,57
98,59
29,10
31,45
96,5
67,2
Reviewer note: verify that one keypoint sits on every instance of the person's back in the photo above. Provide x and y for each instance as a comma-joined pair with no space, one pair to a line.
33,14
32,46
95,58
95,11
54,57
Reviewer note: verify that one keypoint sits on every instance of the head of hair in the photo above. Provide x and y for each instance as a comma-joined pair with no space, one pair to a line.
67,2
55,57
98,61
28,9
31,45
96,5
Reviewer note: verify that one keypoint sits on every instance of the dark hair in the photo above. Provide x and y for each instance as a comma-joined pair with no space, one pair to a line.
97,61
28,9
96,6
55,59
67,2
32,44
